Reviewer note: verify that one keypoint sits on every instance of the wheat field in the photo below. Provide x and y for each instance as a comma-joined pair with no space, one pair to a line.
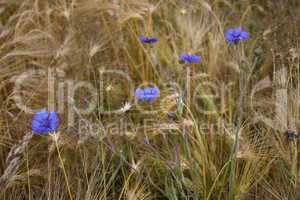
155,100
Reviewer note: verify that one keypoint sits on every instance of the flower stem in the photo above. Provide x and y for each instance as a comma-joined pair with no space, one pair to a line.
63,168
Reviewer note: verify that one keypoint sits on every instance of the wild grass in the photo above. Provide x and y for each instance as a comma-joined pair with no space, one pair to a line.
204,146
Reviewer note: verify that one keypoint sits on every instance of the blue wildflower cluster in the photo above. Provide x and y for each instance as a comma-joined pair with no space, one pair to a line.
45,122
234,35
149,40
148,94
190,58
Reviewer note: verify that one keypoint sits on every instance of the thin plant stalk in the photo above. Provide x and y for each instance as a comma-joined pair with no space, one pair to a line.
188,87
28,175
62,165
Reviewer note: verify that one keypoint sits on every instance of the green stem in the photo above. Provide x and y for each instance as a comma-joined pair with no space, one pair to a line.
63,168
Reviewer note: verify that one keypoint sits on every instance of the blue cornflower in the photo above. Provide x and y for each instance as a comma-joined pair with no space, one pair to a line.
44,122
149,40
147,93
190,58
234,35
